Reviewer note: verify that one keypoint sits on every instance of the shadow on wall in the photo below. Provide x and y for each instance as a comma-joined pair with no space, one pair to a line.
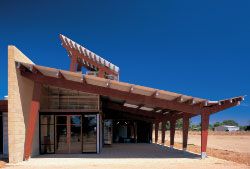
130,151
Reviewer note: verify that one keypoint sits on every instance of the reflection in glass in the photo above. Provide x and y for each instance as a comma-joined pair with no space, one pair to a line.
75,139
89,133
75,120
47,119
61,139
47,133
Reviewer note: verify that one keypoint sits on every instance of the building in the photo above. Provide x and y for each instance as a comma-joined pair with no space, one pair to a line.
227,128
57,111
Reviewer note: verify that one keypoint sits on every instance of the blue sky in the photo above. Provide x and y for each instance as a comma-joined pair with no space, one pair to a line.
198,48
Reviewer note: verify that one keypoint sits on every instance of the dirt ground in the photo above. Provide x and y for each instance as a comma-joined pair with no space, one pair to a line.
228,148
224,145
128,156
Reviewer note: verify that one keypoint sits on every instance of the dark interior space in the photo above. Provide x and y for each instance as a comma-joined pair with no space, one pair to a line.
1,134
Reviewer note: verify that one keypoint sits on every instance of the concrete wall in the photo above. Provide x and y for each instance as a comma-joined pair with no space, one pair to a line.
20,92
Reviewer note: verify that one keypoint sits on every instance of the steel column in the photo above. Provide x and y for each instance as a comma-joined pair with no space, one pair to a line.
204,133
172,132
32,119
163,131
156,131
73,64
185,128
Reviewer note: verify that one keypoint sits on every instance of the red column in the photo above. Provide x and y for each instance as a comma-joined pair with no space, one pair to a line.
204,133
32,119
185,128
156,131
73,64
101,74
79,67
172,132
163,131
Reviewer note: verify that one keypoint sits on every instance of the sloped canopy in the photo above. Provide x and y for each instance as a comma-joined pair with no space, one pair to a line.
132,98
88,58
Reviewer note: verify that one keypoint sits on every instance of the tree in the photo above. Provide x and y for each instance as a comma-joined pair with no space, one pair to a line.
230,123
217,124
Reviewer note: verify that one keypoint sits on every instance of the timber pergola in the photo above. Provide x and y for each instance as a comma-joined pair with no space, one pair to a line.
151,104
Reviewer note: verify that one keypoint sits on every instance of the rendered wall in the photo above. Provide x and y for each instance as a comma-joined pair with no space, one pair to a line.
20,92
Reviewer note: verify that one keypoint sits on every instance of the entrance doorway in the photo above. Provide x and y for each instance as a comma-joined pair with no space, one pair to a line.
68,134
65,133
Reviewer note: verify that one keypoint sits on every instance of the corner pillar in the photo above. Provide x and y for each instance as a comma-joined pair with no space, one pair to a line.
204,133
32,119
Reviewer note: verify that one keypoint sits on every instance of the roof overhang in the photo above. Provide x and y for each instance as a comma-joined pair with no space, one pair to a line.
161,101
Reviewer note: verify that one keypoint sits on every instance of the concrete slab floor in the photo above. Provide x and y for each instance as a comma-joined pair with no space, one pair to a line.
127,156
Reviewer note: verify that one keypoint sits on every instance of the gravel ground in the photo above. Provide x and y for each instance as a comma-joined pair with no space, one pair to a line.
236,143
124,156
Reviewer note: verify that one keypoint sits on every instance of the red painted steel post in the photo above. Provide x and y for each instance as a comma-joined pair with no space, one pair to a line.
185,128
73,64
163,131
156,131
32,119
172,132
204,133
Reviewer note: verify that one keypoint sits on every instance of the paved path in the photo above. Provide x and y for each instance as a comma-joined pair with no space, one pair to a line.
125,156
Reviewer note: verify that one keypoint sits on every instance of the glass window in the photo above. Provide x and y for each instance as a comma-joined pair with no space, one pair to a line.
61,119
47,134
75,120
47,119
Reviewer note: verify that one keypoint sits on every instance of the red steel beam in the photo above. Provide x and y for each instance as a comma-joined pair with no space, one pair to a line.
140,99
32,119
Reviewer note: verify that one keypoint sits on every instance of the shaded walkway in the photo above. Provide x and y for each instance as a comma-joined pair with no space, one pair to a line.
130,151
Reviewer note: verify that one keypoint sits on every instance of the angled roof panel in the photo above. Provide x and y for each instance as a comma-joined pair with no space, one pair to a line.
94,57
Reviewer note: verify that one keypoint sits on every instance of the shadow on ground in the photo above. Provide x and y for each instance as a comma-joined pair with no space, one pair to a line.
130,151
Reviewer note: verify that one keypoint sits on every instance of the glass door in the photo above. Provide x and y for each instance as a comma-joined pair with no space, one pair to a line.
89,134
76,134
68,134
62,139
